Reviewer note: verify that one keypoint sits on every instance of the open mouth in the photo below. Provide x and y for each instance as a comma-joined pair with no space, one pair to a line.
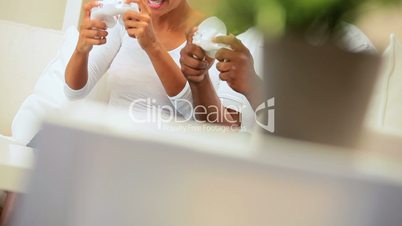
155,4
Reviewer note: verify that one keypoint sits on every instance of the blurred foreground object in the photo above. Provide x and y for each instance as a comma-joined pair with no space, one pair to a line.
321,93
278,18
15,163
322,86
97,168
386,110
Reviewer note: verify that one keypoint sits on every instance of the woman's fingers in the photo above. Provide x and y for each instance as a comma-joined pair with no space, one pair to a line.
143,5
93,24
93,41
134,32
96,34
89,6
132,15
135,24
97,24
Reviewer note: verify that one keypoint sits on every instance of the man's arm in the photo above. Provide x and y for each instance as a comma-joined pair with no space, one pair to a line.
195,65
236,67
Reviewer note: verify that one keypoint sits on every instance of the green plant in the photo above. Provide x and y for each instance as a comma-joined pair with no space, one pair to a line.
281,17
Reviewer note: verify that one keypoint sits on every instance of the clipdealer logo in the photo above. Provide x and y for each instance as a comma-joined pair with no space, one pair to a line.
167,114
269,107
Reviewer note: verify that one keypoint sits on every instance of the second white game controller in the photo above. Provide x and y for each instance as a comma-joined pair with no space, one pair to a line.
111,11
207,31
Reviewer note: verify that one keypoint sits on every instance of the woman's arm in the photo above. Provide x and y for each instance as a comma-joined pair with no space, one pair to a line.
139,26
168,71
91,33
89,61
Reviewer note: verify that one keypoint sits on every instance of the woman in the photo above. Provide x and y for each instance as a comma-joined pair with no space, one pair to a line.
141,57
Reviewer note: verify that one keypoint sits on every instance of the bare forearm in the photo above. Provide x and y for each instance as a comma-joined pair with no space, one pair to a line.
168,72
76,75
208,107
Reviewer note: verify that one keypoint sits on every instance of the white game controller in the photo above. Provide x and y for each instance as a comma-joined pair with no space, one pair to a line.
207,31
111,10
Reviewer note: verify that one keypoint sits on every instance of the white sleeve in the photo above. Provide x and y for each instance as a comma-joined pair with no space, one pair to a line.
100,59
183,102
354,40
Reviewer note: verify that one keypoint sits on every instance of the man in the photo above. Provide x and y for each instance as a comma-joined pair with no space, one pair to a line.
240,89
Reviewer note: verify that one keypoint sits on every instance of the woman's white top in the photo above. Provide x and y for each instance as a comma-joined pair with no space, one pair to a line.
132,76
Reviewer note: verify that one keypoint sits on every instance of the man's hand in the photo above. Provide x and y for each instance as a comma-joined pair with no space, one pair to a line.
195,64
236,66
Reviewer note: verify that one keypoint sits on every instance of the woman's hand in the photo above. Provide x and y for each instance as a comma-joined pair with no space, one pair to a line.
194,62
92,32
236,67
139,25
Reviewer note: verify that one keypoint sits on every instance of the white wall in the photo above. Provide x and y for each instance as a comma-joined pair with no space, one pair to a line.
42,13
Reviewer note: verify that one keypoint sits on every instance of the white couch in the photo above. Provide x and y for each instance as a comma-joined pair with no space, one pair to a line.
25,52
29,54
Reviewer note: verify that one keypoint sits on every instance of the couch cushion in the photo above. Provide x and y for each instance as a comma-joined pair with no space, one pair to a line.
48,94
25,52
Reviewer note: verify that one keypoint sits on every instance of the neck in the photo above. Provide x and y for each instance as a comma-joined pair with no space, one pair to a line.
176,19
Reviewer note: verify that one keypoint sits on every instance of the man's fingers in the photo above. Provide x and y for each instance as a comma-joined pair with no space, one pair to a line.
230,40
224,67
224,55
89,6
194,63
225,76
196,52
191,72
190,34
